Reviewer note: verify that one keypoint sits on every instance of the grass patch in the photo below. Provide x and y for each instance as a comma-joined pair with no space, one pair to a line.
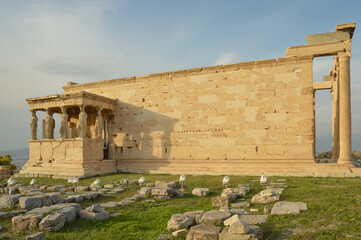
334,209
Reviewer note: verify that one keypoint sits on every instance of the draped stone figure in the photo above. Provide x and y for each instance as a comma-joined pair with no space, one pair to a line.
82,122
34,125
49,125
63,130
98,124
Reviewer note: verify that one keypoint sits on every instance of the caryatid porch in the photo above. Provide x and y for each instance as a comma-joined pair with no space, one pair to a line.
85,134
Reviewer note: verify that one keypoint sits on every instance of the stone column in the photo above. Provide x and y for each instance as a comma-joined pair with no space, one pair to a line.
98,124
34,125
82,125
49,125
335,113
345,157
63,130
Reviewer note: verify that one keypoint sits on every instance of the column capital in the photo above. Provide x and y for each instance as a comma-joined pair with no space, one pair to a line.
344,56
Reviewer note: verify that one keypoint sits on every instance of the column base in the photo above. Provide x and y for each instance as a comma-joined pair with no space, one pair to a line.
345,163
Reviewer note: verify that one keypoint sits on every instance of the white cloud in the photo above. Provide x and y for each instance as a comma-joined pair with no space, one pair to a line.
225,59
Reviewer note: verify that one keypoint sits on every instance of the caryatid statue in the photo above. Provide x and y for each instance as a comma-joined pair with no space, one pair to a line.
49,125
63,130
34,125
98,124
82,122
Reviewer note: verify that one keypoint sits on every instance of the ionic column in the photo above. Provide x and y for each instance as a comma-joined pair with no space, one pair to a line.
335,113
345,157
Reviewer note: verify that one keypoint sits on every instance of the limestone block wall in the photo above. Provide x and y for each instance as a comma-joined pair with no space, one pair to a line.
75,149
255,111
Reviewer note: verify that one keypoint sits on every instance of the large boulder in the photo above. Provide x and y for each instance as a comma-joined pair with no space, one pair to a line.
52,222
31,202
179,221
69,212
288,208
214,217
26,222
7,201
200,192
203,232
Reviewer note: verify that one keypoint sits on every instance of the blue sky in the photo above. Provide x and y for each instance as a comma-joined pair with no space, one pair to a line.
44,44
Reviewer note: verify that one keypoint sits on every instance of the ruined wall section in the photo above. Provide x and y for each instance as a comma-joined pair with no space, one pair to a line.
260,110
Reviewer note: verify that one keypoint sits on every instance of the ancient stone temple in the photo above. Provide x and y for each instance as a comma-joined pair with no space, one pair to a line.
239,119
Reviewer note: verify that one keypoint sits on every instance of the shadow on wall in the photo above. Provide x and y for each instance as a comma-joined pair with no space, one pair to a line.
141,134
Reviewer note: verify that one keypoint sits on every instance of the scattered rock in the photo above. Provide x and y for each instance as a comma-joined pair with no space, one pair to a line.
239,211
224,209
288,208
31,202
254,219
108,186
70,213
125,181
220,201
239,227
52,222
200,192
145,191
162,191
162,184
240,204
179,221
180,233
7,201
254,210
82,189
196,215
267,196
95,187
204,232
231,220
151,184
214,217
36,236
96,208
26,222
164,236
110,205
255,232
94,216
56,188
